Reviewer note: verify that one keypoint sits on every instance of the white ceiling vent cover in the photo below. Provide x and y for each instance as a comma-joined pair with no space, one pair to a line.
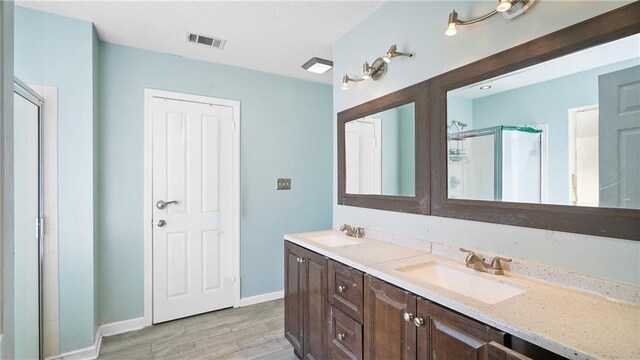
209,41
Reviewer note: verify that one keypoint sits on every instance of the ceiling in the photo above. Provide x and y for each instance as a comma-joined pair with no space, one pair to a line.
610,53
270,36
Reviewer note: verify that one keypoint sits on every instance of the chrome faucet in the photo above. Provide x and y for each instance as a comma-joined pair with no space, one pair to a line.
351,231
474,261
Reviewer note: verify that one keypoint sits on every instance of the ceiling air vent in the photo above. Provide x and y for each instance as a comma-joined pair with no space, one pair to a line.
210,41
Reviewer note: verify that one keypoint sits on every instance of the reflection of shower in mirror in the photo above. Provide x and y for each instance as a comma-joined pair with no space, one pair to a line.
501,163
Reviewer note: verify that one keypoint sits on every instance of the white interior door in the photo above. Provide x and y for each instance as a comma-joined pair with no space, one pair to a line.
619,128
192,238
363,147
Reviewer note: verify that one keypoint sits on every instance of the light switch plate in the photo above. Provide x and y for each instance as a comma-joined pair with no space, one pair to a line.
284,184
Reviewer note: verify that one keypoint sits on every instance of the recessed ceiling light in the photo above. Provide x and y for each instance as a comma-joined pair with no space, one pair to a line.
317,65
485,87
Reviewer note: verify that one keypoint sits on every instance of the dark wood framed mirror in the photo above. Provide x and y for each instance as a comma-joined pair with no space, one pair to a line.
383,152
493,161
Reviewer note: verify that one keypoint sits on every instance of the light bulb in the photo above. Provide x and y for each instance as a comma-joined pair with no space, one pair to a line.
366,71
386,59
503,5
345,82
451,29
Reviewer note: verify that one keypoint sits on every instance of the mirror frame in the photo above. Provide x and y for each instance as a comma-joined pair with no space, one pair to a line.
418,204
610,222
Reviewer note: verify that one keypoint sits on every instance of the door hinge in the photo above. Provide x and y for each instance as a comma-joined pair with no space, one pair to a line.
233,126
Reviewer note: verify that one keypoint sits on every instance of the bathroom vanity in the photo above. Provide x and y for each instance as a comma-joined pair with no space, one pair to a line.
348,298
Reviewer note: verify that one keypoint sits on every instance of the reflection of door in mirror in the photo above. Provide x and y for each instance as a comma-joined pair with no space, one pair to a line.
583,156
363,156
619,96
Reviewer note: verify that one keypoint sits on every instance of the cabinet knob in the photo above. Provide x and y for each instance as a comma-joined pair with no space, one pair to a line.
341,336
303,260
342,289
408,316
418,321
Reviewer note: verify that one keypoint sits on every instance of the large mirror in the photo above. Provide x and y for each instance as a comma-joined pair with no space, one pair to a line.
545,134
380,153
383,152
565,131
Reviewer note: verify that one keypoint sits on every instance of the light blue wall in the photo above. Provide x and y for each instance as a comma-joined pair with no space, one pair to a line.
57,51
407,152
390,150
286,132
418,27
546,102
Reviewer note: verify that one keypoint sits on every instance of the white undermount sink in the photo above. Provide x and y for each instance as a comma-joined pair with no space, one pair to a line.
464,281
331,240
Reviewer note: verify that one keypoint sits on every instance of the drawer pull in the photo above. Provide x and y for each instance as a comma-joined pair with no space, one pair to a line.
341,336
408,317
342,289
418,321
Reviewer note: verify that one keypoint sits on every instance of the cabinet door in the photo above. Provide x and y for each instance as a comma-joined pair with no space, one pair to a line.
500,352
452,336
315,299
293,297
387,334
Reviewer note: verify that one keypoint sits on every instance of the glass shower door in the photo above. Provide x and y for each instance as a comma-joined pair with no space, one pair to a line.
27,240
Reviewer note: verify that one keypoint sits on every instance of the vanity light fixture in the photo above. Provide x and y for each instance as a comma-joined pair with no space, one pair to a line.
508,8
317,65
346,80
393,52
376,70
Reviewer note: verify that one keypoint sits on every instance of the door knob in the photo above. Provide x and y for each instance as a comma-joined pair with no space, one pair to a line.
163,204
408,317
161,223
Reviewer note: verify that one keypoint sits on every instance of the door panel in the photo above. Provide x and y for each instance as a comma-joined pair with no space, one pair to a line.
452,336
387,334
193,250
293,300
619,130
315,305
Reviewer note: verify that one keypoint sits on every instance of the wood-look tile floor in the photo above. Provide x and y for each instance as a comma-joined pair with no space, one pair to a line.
252,332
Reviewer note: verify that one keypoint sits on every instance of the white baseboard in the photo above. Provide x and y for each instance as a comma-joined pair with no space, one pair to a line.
121,327
92,352
251,300
87,353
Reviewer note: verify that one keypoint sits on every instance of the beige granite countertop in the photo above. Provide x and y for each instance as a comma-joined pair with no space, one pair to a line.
573,323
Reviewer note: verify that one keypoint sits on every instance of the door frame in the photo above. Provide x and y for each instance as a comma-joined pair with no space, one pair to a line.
149,95
23,90
572,121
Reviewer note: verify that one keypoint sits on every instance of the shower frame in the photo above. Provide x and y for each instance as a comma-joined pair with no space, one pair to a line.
30,95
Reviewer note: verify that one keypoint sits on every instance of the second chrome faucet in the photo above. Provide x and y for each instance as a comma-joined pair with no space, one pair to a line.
474,261
349,230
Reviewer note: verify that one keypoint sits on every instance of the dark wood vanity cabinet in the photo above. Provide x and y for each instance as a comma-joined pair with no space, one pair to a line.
387,335
399,325
333,311
305,301
444,334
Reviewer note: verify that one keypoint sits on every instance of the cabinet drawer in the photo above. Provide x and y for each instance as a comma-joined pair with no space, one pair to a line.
345,336
346,290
